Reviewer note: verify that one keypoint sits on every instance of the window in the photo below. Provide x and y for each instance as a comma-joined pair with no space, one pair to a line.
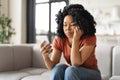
45,25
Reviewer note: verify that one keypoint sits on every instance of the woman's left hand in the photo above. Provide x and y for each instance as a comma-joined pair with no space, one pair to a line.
77,33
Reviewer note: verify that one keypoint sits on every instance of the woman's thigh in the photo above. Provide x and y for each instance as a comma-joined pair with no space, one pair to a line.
81,73
58,72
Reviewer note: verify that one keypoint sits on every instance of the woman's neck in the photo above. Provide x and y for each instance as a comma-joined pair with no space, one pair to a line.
70,42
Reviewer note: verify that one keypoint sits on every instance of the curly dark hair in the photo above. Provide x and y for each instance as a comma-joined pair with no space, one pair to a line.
80,16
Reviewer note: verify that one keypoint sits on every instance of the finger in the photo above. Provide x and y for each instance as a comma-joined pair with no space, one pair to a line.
42,44
50,50
75,30
78,28
42,47
47,51
48,46
44,50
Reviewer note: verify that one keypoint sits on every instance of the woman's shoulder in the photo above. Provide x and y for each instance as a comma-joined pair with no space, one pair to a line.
58,43
59,39
88,40
89,37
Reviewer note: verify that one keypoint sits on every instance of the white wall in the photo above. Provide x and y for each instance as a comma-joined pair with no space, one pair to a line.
17,12
4,7
107,16
96,3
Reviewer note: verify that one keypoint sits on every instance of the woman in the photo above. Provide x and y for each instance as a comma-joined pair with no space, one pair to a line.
76,40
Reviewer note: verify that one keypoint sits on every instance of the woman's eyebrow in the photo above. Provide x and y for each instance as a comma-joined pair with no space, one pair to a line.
64,22
73,22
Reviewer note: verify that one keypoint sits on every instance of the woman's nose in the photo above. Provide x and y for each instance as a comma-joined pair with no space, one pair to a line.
68,26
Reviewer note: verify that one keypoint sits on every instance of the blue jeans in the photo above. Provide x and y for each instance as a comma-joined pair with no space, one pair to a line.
64,72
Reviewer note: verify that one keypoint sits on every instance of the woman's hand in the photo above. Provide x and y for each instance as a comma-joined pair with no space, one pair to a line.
45,49
77,33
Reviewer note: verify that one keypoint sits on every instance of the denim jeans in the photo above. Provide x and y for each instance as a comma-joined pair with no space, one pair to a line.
63,72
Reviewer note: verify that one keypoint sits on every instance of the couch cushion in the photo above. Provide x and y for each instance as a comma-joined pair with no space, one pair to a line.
43,76
6,58
104,57
12,75
115,78
105,77
46,75
22,56
33,71
116,59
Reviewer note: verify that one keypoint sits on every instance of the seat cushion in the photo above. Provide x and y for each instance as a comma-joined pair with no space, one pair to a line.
12,75
43,76
105,77
115,78
33,71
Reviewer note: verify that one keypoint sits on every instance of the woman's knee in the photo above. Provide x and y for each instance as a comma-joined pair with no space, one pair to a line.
77,73
59,68
71,73
58,72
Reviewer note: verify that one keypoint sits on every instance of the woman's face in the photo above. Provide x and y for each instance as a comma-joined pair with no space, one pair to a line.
69,26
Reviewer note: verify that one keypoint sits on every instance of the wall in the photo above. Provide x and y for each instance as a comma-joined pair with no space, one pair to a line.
107,16
4,7
106,9
96,3
17,12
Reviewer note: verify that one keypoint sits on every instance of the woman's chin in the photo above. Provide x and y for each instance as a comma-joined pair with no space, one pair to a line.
69,36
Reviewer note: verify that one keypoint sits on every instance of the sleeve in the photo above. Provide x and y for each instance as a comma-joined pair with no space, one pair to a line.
90,40
57,43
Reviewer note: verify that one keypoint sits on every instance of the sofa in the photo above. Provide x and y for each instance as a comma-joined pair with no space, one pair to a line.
24,62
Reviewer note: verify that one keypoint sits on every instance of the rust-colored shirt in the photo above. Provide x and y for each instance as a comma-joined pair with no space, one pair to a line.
62,45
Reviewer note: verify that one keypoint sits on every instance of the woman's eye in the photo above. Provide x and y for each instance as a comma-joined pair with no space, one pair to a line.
73,24
64,25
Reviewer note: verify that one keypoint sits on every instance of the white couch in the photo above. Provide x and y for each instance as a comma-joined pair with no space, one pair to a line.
116,63
24,62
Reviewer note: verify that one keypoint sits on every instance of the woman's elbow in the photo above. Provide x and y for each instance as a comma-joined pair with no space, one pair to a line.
77,64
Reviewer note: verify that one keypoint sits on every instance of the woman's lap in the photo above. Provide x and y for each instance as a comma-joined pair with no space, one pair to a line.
63,72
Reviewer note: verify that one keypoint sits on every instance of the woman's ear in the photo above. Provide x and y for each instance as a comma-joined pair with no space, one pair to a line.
82,32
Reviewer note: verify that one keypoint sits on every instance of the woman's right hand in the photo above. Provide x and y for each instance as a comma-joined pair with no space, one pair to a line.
45,49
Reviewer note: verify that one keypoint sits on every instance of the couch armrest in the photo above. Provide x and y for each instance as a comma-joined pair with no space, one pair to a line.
116,61
104,57
37,57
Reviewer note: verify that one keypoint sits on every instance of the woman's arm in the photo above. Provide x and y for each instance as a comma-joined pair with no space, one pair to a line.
55,55
79,56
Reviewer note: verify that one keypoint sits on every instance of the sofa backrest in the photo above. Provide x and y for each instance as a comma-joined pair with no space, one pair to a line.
15,57
116,61
22,56
6,58
104,57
